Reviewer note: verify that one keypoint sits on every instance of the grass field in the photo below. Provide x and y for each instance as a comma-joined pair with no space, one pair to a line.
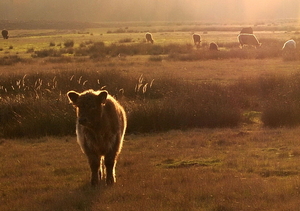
163,33
245,167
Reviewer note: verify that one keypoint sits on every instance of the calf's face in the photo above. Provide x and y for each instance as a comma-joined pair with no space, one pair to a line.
88,106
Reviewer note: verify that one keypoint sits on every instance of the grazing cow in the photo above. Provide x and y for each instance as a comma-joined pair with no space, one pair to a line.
197,39
100,128
149,37
247,30
4,34
213,46
289,45
289,50
248,39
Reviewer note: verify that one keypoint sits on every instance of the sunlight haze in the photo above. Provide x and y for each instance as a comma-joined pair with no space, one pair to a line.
149,10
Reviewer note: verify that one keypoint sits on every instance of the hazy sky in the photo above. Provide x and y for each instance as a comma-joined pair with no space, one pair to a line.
149,10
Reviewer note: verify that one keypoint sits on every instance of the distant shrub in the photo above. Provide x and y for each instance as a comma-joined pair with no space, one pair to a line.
10,60
282,106
155,58
113,50
69,50
93,50
10,47
181,52
120,30
88,42
125,40
61,59
205,54
82,45
46,53
97,56
30,50
278,113
229,45
88,49
69,43
52,44
178,48
156,50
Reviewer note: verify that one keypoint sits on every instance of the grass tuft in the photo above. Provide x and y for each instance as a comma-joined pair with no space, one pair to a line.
170,163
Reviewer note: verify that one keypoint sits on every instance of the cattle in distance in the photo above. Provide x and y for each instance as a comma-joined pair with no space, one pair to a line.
248,40
247,30
197,39
4,34
289,45
149,38
213,46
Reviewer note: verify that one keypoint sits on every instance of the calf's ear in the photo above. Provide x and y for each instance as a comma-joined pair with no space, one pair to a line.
73,96
102,96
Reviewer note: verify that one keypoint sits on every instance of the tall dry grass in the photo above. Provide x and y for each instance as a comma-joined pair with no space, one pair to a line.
34,104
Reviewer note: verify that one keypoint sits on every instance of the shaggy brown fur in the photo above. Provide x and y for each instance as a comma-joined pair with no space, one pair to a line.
100,127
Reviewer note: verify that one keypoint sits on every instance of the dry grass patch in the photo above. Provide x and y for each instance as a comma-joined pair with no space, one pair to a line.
207,169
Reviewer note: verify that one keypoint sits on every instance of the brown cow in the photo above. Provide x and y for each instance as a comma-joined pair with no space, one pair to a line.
100,128
197,39
213,46
248,39
149,37
247,30
4,34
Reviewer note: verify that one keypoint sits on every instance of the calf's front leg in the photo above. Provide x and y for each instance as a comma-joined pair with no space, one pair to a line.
94,161
110,163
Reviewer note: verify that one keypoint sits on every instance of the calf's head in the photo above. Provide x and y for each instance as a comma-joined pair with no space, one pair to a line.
89,106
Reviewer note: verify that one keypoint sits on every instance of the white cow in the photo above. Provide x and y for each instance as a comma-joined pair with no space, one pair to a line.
197,39
289,45
149,38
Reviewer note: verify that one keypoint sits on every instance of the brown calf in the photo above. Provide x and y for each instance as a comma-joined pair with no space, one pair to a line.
100,128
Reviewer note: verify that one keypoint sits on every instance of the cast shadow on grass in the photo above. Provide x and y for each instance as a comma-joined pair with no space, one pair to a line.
78,199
